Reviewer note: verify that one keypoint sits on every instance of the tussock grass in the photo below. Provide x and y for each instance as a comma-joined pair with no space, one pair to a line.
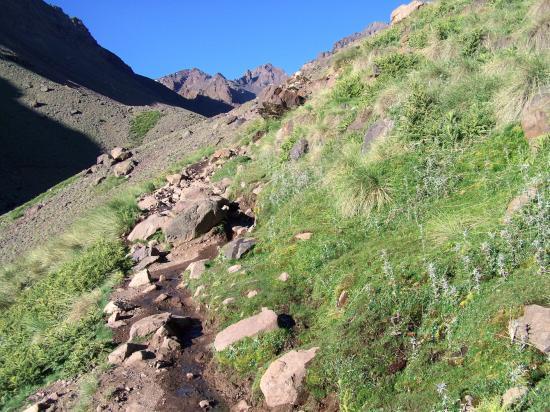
527,76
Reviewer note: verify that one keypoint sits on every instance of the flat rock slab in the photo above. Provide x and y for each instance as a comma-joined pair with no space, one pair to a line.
533,327
238,248
281,383
264,321
148,227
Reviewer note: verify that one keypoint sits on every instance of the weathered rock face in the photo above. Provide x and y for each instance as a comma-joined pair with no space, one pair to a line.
196,218
533,327
150,324
376,131
299,149
281,384
535,119
238,248
405,10
371,29
264,321
145,229
274,101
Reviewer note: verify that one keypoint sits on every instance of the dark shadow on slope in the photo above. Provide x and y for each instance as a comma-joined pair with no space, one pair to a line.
43,39
36,151
209,107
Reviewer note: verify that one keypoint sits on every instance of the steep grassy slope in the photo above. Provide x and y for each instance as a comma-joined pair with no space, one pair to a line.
412,231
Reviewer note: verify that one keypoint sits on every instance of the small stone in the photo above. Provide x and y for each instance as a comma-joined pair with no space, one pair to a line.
234,268
120,153
283,277
124,168
241,406
342,299
161,298
150,288
303,236
228,301
45,89
196,269
123,352
174,179
139,356
198,291
162,278
251,294
204,404
189,376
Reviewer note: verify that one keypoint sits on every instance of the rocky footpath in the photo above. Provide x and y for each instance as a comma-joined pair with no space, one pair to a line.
163,346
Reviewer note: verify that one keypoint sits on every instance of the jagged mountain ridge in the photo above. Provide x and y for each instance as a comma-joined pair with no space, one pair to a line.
195,84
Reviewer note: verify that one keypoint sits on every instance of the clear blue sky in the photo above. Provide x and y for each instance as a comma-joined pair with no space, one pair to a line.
157,37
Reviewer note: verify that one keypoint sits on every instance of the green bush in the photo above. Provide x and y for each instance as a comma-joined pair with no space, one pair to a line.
395,64
472,42
347,88
418,40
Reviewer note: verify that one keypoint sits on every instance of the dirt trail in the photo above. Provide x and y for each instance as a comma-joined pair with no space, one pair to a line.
168,388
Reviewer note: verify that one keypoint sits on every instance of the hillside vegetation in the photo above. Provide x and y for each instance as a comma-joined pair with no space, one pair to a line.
412,273
411,276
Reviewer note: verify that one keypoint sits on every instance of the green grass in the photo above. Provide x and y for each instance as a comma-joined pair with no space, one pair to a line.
142,123
413,231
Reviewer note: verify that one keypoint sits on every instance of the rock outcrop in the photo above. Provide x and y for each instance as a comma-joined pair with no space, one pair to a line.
274,101
405,10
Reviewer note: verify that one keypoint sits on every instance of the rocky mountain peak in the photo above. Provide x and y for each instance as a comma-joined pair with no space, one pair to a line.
219,94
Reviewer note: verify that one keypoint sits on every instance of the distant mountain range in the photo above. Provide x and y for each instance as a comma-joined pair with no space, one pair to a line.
217,94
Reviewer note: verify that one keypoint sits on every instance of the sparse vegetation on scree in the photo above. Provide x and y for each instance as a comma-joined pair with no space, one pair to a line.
51,300
142,123
411,230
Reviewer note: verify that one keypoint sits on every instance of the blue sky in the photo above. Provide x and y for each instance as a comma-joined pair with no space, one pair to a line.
227,36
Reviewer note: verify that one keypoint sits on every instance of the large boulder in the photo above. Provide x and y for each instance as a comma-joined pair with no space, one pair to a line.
148,227
282,382
377,130
124,168
196,269
405,10
150,324
535,119
120,153
533,327
264,321
238,248
197,217
275,100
